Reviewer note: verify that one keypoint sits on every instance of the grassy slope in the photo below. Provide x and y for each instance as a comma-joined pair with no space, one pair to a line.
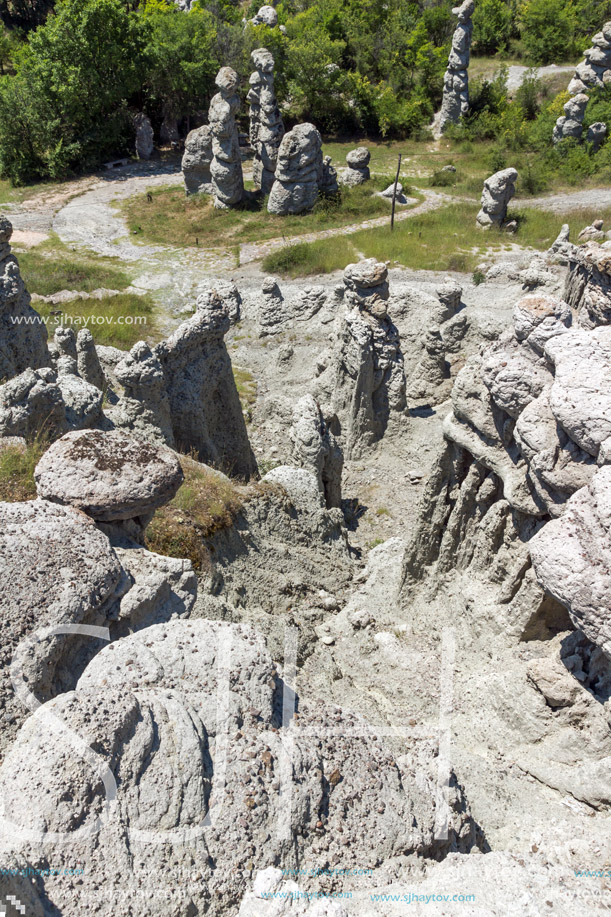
127,318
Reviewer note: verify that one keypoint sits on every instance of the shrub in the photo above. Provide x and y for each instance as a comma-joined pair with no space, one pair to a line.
548,30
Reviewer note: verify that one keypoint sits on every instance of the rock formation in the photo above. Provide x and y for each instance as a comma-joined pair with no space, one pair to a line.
32,404
595,70
88,361
205,408
571,123
112,477
144,406
329,184
266,127
298,172
316,448
23,338
498,191
588,283
144,136
358,167
455,101
226,165
196,161
267,15
369,385
596,135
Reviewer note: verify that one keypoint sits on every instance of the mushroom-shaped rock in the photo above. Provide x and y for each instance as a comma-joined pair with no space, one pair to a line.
110,476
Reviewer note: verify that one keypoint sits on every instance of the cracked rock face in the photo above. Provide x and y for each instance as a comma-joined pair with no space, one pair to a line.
316,448
455,102
196,161
226,164
144,407
588,283
205,766
299,171
110,476
266,126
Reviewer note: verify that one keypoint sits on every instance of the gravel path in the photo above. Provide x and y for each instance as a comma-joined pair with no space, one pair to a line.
564,202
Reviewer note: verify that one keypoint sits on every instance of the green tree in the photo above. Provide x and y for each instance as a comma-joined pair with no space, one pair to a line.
66,104
492,25
548,30
181,59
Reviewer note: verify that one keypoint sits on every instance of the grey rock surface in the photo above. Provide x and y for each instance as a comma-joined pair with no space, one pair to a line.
144,135
196,161
205,407
299,171
23,339
32,404
455,102
109,476
316,448
266,15
498,191
357,171
226,164
88,361
144,406
266,125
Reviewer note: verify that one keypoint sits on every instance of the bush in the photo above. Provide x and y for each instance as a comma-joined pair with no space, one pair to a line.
443,179
492,25
548,30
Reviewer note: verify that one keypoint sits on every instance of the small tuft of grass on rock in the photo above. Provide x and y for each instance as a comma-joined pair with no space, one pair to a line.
206,503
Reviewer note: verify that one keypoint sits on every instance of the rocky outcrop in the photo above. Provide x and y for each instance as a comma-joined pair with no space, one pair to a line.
229,294
498,191
144,136
266,15
369,382
596,135
571,123
23,336
88,361
329,184
358,167
205,409
316,448
226,165
266,126
298,172
196,161
595,70
111,477
588,283
144,406
455,101
32,405
203,770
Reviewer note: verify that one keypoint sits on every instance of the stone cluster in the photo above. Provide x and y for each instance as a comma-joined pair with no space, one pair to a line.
358,167
498,191
266,127
571,123
455,102
299,171
594,72
226,164
196,161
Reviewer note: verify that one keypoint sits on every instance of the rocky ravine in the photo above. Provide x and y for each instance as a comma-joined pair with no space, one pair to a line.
428,715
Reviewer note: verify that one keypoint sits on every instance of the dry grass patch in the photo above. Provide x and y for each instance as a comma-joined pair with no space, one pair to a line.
206,503
17,471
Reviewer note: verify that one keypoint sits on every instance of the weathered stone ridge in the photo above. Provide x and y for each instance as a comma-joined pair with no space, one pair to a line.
299,171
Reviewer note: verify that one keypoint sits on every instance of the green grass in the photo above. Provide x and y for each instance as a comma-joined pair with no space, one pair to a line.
17,472
442,240
206,503
48,269
305,258
127,318
171,218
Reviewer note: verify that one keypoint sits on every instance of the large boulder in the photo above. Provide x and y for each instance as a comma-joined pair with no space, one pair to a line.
196,161
110,476
498,191
298,172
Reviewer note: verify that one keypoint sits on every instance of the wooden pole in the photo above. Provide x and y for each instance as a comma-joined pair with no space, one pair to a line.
394,195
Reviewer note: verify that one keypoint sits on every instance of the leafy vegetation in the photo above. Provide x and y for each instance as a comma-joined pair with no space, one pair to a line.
206,502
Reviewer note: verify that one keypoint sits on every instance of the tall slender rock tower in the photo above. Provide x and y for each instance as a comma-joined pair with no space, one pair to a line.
456,81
